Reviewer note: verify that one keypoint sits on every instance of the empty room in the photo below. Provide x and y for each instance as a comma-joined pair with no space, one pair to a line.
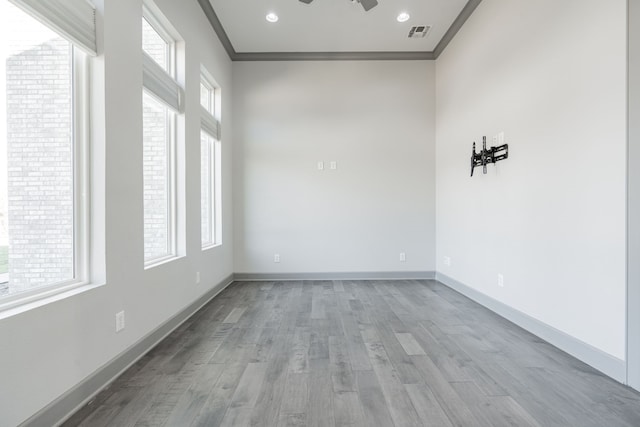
320,213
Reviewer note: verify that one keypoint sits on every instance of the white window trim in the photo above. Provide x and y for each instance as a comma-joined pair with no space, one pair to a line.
217,191
81,186
173,183
82,157
211,205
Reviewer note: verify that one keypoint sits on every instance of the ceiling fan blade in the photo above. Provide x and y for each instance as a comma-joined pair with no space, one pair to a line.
306,1
368,4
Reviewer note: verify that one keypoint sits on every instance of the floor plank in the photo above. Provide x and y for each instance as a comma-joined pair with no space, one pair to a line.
356,353
410,345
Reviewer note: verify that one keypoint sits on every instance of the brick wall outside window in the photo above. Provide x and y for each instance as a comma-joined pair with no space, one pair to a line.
39,166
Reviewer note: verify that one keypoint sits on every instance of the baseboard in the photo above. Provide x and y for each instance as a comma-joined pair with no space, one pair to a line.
371,275
66,405
598,359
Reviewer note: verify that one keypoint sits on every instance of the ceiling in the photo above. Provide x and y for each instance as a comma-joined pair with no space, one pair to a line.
334,29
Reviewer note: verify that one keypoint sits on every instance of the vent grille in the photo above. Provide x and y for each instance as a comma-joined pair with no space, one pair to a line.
419,31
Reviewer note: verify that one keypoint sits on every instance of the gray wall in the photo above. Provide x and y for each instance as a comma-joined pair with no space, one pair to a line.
633,355
551,218
57,345
376,120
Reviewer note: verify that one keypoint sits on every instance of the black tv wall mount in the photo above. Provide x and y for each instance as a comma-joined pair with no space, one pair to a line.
484,157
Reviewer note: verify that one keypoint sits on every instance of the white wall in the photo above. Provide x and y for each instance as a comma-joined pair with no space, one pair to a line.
48,350
376,120
551,218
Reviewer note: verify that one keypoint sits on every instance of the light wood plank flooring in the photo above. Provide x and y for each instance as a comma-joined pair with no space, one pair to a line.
356,353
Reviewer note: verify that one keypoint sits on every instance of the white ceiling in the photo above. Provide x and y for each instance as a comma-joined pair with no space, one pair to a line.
334,25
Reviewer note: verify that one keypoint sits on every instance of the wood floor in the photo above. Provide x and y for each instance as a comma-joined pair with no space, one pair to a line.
356,353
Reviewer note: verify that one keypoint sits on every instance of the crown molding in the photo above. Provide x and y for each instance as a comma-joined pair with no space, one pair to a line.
332,56
217,27
465,13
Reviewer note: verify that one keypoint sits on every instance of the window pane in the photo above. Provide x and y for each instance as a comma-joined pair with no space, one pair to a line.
157,178
205,97
155,46
36,155
206,199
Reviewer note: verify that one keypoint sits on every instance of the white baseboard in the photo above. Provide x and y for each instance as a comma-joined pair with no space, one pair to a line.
598,359
66,405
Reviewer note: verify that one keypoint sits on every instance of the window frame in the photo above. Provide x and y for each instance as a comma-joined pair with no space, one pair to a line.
213,153
165,35
171,185
211,99
171,136
80,143
214,148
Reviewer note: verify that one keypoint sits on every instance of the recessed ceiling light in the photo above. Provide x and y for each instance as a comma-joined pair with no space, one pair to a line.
272,17
403,17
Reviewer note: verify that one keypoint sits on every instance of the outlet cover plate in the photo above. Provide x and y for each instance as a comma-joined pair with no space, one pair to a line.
120,321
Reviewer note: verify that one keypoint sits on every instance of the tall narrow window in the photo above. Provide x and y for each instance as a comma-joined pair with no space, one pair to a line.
161,100
42,144
210,166
210,189
158,143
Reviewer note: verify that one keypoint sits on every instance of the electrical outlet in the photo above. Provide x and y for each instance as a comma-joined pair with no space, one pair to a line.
447,261
501,280
333,165
197,277
320,166
119,321
403,257
276,258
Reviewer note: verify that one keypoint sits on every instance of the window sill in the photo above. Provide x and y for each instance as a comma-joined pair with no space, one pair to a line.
31,302
161,261
213,246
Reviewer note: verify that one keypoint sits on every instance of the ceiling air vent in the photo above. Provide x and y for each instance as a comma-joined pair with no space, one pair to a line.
419,31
